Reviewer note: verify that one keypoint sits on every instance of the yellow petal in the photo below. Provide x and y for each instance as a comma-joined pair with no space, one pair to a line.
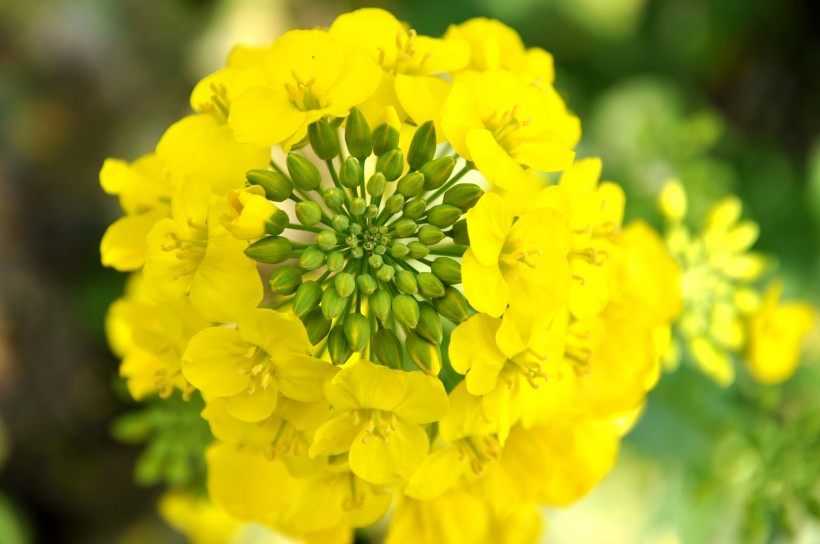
488,223
213,360
439,472
263,117
123,245
256,406
493,161
301,377
390,460
484,286
425,399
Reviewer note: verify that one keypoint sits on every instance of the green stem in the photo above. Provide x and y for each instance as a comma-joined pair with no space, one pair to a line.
454,250
305,228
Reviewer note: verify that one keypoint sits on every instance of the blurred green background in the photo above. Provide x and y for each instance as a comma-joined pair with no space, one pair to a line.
724,94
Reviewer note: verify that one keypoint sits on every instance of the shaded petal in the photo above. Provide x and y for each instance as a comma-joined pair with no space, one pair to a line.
123,245
301,377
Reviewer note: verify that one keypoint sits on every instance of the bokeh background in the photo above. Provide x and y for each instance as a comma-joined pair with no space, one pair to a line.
723,94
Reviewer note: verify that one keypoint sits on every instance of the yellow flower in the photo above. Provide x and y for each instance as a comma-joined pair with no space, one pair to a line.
203,146
433,522
409,63
520,262
248,212
266,356
494,45
191,252
504,126
145,194
378,416
198,519
309,75
242,71
775,333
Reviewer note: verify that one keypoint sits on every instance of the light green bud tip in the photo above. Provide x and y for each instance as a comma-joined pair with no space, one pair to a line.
357,135
312,258
387,348
410,185
340,351
326,240
423,146
366,284
443,215
357,331
351,175
429,285
307,298
391,164
429,326
430,235
406,310
277,186
270,250
437,172
414,209
304,173
406,282
452,305
285,280
308,213
332,304
425,355
381,302
377,184
323,139
447,270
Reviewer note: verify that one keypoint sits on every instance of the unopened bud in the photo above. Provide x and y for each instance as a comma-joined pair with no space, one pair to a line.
452,305
423,146
418,250
437,171
429,326
316,325
357,135
304,173
425,355
270,250
443,215
285,280
332,304
337,345
410,185
404,228
375,261
308,213
460,234
351,174
307,298
371,211
399,250
357,331
312,258
340,222
334,197
366,283
326,240
277,222
323,139
387,348
406,310
386,134
335,261
430,286
430,235
394,203
381,302
386,273
391,164
463,195
406,282
277,186
344,284
447,270
414,209
358,206
376,185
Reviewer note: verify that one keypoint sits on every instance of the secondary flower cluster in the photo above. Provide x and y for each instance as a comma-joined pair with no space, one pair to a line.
397,308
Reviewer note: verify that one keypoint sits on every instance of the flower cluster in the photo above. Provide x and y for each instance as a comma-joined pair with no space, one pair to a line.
352,253
725,315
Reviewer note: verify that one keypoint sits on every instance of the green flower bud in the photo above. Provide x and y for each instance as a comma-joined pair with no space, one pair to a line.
406,282
332,304
316,325
357,331
430,286
463,195
344,284
312,258
399,250
351,174
404,228
386,273
277,222
334,197
406,310
340,222
391,164
285,280
387,348
371,211
304,173
270,250
357,253
308,213
277,186
358,206
394,203
418,250
415,208
430,235
380,249
447,270
326,240
443,215
452,305
429,326
357,135
307,298
323,139
436,172
366,283
335,261
381,302
355,229
376,185
410,185
385,138
337,345
423,146
425,355
460,235
375,261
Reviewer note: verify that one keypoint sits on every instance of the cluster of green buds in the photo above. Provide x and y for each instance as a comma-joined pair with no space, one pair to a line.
388,230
